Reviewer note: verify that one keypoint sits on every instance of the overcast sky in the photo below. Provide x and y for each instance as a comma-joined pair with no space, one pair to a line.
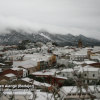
55,16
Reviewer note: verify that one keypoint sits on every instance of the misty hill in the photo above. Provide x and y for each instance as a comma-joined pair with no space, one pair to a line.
15,37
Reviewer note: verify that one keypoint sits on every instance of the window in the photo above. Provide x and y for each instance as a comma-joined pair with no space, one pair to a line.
85,74
74,94
63,75
69,94
33,70
93,75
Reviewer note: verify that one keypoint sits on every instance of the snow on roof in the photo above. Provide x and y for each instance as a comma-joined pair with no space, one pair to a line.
71,89
18,69
44,47
24,70
28,66
22,92
88,66
88,69
63,59
44,96
41,84
2,64
89,62
54,70
76,62
35,82
47,55
27,79
79,63
43,73
10,75
75,89
67,70
33,48
80,54
37,59
78,67
29,94
58,76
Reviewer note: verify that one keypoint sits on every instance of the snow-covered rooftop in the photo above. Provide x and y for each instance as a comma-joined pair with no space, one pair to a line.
2,64
18,69
35,82
43,73
27,79
10,75
79,63
28,66
37,59
88,69
67,70
89,62
75,89
58,76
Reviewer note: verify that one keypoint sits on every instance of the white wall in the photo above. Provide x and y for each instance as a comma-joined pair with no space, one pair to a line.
96,48
95,57
89,74
63,61
25,72
66,74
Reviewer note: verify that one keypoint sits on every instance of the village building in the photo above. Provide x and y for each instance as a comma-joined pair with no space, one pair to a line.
28,69
69,72
90,75
52,76
9,77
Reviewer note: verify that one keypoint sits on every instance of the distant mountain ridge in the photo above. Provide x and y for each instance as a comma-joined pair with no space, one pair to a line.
15,37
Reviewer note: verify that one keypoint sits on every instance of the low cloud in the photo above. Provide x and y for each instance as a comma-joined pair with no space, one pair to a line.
33,27
55,16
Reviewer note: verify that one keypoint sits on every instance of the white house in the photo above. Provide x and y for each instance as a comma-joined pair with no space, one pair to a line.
96,48
12,77
63,61
74,93
79,55
67,72
90,74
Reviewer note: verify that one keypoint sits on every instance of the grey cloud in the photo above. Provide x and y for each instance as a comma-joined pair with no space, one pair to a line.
56,16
